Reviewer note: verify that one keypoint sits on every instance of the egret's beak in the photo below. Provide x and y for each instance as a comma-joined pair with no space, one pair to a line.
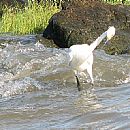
106,42
110,34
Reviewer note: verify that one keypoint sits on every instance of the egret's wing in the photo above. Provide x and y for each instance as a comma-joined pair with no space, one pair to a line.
78,54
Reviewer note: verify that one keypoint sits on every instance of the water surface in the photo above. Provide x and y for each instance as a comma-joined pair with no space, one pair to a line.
38,89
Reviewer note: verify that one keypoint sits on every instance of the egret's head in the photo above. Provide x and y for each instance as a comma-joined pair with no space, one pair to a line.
110,33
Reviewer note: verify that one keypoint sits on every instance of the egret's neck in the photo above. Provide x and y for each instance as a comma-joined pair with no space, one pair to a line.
97,41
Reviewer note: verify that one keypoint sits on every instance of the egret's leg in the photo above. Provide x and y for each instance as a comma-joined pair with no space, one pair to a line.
77,79
89,70
78,83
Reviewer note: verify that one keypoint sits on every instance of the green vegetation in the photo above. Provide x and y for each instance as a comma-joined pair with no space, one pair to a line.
126,2
32,19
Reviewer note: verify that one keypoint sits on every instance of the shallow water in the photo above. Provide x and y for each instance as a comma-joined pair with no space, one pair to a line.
38,89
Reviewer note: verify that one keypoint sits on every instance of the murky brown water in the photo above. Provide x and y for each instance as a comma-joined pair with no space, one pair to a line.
38,89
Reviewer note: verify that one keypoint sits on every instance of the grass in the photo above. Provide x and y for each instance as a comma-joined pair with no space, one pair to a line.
32,19
126,2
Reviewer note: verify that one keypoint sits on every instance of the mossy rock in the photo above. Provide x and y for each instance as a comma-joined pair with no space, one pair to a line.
12,2
82,22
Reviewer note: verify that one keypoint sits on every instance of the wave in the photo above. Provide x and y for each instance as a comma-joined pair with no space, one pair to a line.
32,67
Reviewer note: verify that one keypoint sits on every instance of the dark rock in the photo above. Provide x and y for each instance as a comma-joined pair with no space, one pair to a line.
82,21
12,2
45,42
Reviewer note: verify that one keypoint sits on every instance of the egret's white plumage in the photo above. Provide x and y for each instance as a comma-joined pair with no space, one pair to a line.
110,33
81,56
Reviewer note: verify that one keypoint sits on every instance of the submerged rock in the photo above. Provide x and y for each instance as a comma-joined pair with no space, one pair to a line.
83,21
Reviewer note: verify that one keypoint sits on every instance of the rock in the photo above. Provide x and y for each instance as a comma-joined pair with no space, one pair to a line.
83,21
45,42
12,2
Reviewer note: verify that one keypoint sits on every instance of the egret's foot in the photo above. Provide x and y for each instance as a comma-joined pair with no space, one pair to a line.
92,84
78,86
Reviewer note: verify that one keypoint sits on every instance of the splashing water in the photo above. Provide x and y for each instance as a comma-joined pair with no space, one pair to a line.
28,66
38,90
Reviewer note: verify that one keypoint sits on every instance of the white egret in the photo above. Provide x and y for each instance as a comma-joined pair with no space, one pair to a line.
81,56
